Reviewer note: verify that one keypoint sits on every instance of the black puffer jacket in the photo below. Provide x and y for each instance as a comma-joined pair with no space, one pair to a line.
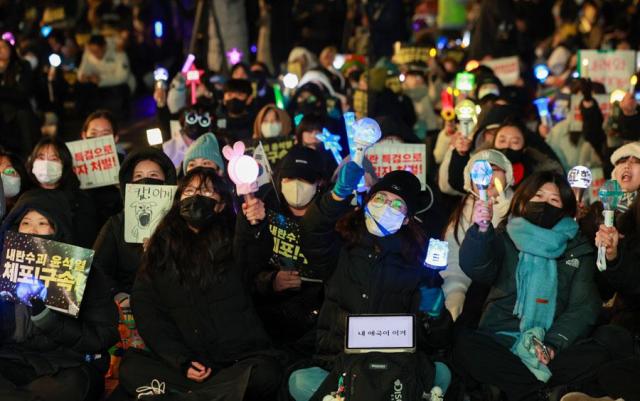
116,258
51,340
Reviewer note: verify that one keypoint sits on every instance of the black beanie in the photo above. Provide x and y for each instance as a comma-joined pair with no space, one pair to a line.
402,183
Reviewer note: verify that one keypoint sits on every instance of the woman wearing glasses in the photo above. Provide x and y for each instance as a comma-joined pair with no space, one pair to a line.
191,307
378,256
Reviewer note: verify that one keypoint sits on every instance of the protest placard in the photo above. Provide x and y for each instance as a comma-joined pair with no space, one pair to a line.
54,271
274,148
95,161
387,157
144,208
507,69
287,254
613,68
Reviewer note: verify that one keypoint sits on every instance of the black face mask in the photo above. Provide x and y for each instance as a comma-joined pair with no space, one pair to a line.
235,106
198,211
542,214
148,181
514,156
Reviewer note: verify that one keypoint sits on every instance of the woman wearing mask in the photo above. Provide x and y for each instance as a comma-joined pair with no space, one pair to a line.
378,254
543,298
45,354
288,286
456,283
271,122
191,308
50,167
15,180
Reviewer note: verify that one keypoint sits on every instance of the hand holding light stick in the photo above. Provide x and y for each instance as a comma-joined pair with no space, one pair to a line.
481,173
161,76
542,104
243,171
610,194
466,113
366,134
446,99
579,178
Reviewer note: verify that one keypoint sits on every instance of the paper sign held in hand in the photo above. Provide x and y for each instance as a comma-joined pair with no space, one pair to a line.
95,161
144,208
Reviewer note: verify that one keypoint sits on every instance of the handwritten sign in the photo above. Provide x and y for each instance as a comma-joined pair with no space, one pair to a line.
95,161
388,157
54,271
287,254
613,69
144,208
380,332
275,149
507,69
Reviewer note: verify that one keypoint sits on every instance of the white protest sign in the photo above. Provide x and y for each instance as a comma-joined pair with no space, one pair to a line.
175,128
95,161
613,69
388,157
507,69
380,332
144,208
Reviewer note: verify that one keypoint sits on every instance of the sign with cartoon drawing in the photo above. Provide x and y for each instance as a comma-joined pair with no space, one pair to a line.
144,208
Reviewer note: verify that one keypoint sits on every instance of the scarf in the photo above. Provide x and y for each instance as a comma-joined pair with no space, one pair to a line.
536,273
625,201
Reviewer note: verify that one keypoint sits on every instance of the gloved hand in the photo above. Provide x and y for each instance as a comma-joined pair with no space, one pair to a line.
454,302
37,306
348,178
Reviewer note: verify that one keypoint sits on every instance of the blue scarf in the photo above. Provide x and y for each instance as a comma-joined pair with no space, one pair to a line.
536,273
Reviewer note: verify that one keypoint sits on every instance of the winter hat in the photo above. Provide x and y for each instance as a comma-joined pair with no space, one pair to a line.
402,183
301,162
205,147
494,157
630,149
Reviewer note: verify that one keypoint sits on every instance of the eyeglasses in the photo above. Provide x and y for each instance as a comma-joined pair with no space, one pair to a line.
191,191
380,199
193,118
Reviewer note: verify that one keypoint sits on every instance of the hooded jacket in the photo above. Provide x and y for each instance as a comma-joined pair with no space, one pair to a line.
117,259
50,340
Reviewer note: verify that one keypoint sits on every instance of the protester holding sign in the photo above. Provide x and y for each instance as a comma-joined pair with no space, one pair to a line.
50,167
45,354
191,307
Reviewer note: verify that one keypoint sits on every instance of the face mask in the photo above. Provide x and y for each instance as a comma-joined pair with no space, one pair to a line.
235,106
11,185
298,193
198,211
542,214
46,171
382,220
270,130
148,181
514,156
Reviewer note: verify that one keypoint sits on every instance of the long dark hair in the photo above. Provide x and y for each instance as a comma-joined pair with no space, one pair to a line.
196,259
629,222
15,66
68,181
528,188
18,164
352,227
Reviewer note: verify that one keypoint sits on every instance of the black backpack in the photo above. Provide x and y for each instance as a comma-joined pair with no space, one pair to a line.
378,376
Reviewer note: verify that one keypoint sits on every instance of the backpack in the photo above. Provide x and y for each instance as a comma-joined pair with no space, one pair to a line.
378,376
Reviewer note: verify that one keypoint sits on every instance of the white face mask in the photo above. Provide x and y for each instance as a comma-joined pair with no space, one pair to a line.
298,193
271,130
47,171
382,220
11,185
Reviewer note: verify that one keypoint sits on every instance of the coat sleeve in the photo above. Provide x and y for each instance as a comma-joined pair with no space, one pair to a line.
592,127
630,126
96,328
623,274
454,278
106,256
157,330
582,310
256,273
444,174
85,219
481,255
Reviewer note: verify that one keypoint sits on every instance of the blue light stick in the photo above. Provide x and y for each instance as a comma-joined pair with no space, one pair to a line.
158,29
349,121
541,71
542,104
331,143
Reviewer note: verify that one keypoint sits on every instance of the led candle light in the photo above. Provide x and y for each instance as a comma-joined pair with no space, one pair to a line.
331,143
243,170
610,194
632,83
154,136
579,178
542,104
466,113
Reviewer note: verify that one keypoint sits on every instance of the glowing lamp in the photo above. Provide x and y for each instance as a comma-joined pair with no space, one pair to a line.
465,81
290,80
466,39
158,29
433,52
154,136
481,173
466,113
441,42
45,31
617,96
471,65
8,36
610,194
584,68
234,56
402,77
367,133
541,71
632,83
579,178
542,104
54,60
338,61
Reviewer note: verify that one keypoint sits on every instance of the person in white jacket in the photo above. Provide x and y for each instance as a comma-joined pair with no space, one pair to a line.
456,283
104,65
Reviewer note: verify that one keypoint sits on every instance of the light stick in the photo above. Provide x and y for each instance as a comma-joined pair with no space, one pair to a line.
481,173
193,79
234,56
632,83
367,133
541,71
158,29
579,178
542,104
154,136
466,113
277,93
243,171
188,63
437,254
349,121
446,99
610,194
617,96
290,80
465,81
331,143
